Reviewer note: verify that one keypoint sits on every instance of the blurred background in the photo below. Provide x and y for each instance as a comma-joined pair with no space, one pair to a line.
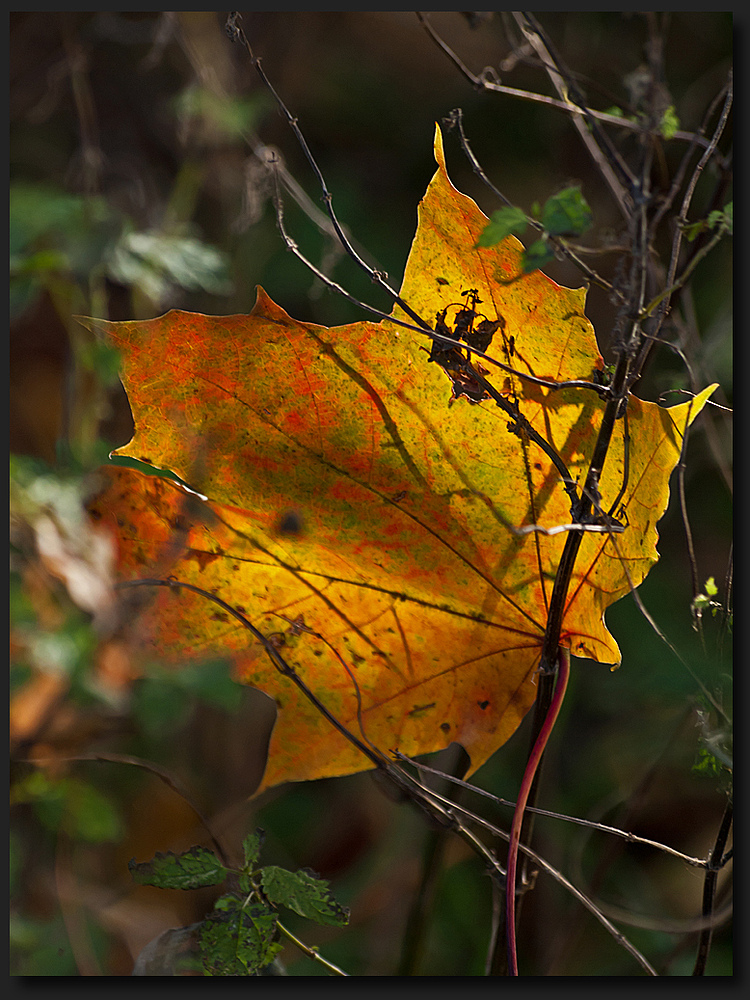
138,144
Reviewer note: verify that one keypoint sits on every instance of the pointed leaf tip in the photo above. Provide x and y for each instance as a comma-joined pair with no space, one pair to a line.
438,147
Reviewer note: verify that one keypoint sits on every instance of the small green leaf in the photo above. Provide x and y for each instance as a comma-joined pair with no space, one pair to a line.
566,213
537,255
502,223
722,217
251,845
694,229
711,589
305,893
238,939
195,868
669,122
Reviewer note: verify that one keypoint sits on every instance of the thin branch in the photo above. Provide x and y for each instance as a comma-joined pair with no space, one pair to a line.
668,200
160,772
487,80
682,218
582,898
646,614
681,468
312,953
684,925
709,889
236,33
456,119
605,156
626,835
678,283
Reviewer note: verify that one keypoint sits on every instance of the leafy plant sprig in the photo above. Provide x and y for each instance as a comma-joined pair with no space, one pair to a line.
241,936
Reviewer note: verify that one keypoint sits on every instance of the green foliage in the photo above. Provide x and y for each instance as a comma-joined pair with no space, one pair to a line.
721,220
707,602
502,223
155,262
231,117
240,936
539,254
190,870
70,805
305,893
670,123
565,214
66,240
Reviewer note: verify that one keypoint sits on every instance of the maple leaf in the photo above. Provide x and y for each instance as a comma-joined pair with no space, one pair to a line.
365,495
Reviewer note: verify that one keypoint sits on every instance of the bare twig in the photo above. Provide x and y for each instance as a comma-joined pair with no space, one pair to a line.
487,80
456,119
236,33
609,162
626,835
682,218
709,889
556,875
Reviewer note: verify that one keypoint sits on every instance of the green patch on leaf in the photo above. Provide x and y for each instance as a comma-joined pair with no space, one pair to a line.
237,939
305,893
194,869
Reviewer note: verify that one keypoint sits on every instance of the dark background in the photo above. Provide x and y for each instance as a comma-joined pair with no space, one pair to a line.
126,123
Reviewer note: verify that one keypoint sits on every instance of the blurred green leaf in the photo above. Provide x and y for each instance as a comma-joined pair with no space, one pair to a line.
502,223
566,213
155,262
232,116
670,123
539,254
70,804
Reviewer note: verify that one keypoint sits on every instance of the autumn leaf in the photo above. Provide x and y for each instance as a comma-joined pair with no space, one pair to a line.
364,511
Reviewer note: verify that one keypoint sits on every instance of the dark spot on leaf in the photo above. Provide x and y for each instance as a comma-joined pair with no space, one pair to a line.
483,704
537,465
418,709
442,281
202,558
445,726
219,616
290,523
